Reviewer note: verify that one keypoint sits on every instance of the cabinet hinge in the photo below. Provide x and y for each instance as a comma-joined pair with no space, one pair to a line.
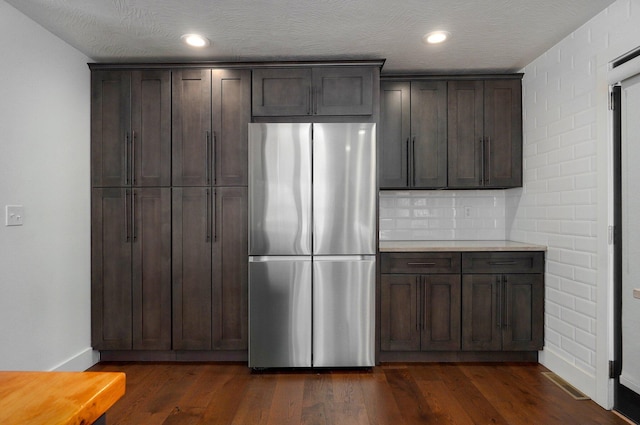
611,235
611,102
614,370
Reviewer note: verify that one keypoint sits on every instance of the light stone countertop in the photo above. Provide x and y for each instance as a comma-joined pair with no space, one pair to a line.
431,246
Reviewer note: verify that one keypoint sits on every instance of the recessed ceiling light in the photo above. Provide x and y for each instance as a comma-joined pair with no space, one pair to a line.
436,37
195,40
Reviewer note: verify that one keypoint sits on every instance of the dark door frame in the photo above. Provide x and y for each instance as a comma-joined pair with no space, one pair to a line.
626,401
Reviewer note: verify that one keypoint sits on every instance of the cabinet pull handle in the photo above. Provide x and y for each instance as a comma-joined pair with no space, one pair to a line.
481,161
498,287
133,157
421,264
487,158
126,158
207,236
413,160
310,102
408,164
418,303
316,100
126,216
507,302
133,216
425,302
215,215
214,156
503,263
206,157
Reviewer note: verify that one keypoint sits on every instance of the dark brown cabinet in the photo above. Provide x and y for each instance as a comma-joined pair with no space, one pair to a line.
210,268
413,134
485,133
420,302
231,100
502,301
169,209
230,286
461,306
192,267
300,91
210,118
131,268
130,128
192,147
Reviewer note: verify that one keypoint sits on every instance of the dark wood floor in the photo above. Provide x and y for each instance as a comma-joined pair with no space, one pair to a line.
392,394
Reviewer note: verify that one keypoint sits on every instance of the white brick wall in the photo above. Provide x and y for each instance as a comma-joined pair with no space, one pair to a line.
566,139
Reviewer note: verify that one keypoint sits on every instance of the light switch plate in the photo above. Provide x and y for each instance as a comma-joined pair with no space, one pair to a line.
636,293
14,215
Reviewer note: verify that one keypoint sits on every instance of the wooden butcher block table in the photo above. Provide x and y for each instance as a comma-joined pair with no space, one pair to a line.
57,398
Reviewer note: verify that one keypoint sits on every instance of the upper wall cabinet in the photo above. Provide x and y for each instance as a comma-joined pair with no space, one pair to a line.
413,134
130,128
340,90
451,134
210,117
485,134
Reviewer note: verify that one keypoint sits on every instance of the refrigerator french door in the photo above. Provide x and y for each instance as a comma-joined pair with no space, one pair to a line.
312,238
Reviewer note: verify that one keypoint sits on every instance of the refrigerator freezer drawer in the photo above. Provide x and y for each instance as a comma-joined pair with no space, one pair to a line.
279,312
343,312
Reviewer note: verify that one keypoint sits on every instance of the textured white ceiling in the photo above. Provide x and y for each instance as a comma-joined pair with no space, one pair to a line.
488,36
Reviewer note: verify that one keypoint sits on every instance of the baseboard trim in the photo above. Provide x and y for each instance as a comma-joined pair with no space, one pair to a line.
80,362
573,375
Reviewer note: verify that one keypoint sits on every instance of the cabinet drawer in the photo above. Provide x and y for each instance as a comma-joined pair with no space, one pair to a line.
503,262
420,262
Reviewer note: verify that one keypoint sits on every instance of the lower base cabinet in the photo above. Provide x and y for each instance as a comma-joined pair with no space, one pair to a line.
420,312
461,304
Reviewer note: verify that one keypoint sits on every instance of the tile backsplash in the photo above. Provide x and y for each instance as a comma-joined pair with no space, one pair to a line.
443,215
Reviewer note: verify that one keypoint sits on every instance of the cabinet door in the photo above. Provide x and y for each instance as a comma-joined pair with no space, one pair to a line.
151,289
192,142
465,133
281,92
523,327
480,312
110,128
395,133
343,91
191,261
151,128
111,269
503,133
231,97
440,314
428,154
399,306
230,268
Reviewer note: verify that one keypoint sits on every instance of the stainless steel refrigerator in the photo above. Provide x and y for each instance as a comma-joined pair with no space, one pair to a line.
312,244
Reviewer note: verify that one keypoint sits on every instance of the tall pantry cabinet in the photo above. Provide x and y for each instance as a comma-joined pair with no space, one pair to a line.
169,208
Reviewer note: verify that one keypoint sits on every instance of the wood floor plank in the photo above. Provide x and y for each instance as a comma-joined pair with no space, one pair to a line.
379,401
413,407
391,394
470,398
226,399
287,400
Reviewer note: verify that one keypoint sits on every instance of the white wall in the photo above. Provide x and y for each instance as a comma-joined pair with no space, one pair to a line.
565,201
44,166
